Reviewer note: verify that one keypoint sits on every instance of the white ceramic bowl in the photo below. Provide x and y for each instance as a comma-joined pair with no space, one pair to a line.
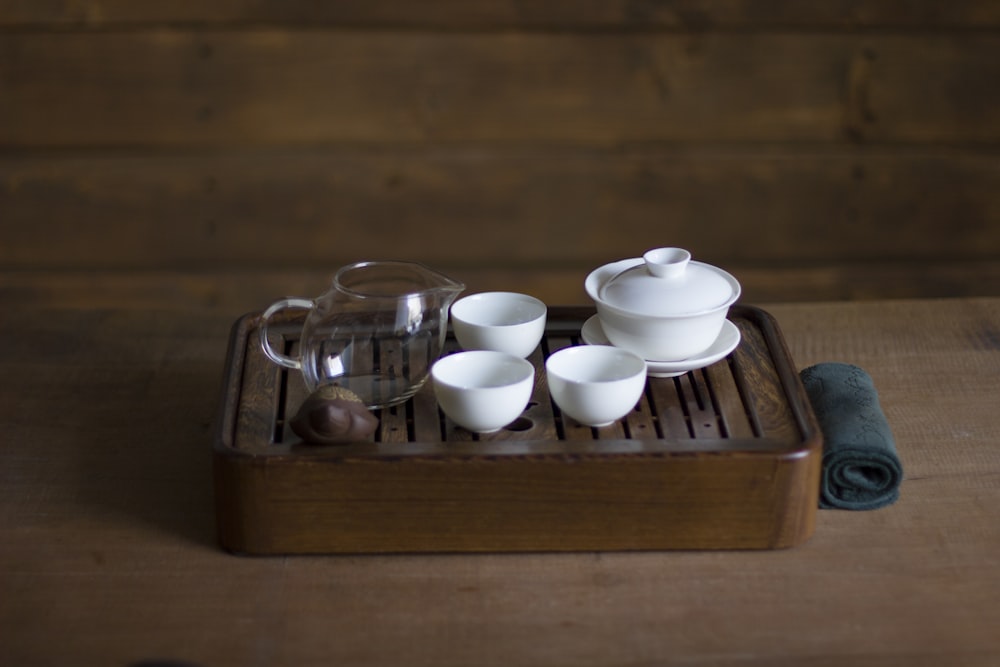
501,321
595,384
483,390
662,306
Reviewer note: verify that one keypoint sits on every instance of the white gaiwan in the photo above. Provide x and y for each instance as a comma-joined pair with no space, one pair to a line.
662,306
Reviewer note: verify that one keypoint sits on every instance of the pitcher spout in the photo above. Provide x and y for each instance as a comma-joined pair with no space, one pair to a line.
448,288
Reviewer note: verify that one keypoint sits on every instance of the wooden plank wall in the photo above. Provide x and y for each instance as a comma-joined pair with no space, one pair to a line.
241,149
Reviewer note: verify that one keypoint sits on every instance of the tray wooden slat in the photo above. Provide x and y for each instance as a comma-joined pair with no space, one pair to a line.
723,457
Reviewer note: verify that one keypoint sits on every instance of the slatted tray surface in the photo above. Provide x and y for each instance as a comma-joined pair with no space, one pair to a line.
722,457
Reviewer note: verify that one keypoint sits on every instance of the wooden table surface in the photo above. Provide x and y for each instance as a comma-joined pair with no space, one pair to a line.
108,553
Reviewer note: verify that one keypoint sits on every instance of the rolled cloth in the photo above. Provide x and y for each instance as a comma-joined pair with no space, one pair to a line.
861,469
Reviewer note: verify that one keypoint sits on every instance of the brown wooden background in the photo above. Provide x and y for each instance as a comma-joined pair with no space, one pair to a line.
225,153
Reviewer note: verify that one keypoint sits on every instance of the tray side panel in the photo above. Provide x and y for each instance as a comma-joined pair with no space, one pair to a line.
702,501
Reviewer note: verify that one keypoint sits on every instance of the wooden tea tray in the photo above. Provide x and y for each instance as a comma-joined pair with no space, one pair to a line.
727,457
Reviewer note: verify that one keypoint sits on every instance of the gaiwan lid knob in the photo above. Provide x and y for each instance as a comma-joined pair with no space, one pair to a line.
667,283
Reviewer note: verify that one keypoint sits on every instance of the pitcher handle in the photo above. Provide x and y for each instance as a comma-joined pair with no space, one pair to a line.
265,320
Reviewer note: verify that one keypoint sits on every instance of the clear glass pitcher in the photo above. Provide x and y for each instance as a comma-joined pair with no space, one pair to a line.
376,331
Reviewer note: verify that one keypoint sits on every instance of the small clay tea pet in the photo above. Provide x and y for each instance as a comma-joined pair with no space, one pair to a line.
333,415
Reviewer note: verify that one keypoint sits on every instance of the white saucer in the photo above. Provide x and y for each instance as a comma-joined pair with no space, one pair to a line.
728,339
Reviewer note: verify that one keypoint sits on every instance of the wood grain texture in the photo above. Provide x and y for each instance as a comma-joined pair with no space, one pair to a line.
503,208
169,88
841,151
107,538
236,292
502,14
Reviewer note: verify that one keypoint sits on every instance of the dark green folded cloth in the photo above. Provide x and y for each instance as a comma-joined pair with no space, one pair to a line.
861,469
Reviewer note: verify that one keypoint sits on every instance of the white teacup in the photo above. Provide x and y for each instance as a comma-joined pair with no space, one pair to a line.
483,390
501,321
595,384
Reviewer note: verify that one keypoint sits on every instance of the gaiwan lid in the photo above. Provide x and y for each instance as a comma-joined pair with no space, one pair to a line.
667,283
